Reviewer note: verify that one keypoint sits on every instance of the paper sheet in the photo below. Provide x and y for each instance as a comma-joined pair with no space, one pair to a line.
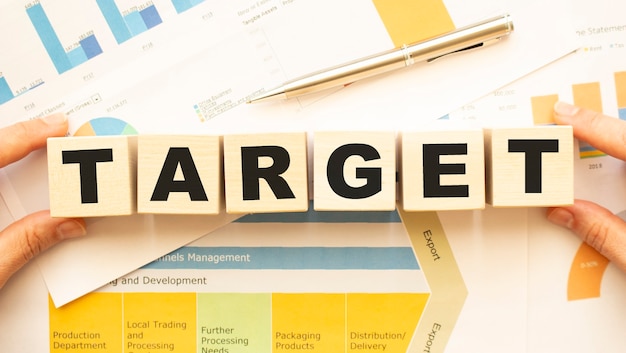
360,266
192,71
575,296
517,277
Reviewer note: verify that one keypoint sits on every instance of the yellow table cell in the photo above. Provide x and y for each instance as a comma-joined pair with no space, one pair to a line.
234,322
159,322
380,322
89,324
308,322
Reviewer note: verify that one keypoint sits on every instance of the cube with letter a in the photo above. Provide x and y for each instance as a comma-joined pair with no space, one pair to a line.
266,172
179,174
531,166
92,176
354,171
443,169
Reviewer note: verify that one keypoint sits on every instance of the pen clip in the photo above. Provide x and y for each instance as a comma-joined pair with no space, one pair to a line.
471,47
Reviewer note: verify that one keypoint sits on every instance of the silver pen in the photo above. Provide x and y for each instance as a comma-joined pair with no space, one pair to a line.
473,36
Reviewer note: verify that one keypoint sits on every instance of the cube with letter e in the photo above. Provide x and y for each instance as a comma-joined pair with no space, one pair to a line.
443,169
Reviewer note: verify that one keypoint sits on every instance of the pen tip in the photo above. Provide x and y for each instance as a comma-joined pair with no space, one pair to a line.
274,94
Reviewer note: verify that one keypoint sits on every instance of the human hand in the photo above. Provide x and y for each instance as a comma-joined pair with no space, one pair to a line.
594,224
29,236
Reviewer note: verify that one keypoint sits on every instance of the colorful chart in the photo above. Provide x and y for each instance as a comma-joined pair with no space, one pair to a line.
587,271
128,23
6,93
64,58
184,5
105,126
587,95
275,283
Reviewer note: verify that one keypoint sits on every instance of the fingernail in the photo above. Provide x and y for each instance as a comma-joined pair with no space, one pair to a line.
55,119
71,229
561,217
565,109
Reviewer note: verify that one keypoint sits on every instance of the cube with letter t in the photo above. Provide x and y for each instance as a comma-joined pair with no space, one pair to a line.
266,172
92,176
531,166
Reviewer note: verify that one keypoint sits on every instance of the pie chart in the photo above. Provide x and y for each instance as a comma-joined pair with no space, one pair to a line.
587,270
105,126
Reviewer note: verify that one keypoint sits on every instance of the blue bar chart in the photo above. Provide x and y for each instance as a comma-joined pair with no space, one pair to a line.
128,23
184,5
6,93
588,95
620,89
63,58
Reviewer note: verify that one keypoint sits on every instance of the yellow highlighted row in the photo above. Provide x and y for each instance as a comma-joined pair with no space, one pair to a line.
236,322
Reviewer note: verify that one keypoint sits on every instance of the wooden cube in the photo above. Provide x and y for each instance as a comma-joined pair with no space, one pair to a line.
442,169
179,174
266,173
354,171
92,176
531,166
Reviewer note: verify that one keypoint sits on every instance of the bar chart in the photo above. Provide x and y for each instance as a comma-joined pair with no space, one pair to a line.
587,95
128,23
63,57
620,88
184,5
7,93
542,107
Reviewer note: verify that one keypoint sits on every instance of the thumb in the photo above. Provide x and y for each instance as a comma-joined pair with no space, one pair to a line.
601,131
27,237
596,226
